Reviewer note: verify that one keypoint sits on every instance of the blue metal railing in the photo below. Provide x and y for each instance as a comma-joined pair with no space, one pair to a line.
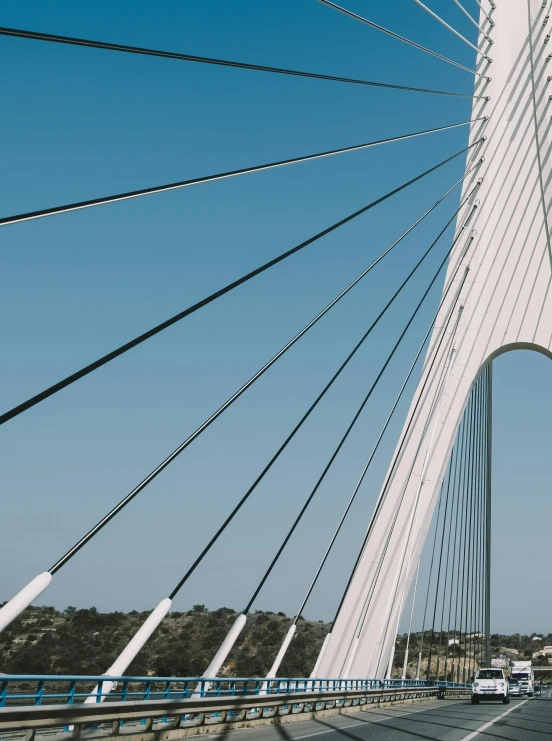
37,689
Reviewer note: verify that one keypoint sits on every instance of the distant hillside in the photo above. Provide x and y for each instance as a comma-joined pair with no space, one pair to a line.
467,651
45,641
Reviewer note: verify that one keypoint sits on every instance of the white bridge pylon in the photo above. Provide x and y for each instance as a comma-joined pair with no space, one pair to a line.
505,303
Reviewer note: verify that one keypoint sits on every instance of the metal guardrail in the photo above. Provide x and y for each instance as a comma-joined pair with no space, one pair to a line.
36,690
149,716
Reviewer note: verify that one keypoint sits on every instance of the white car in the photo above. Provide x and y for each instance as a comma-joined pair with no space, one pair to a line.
490,684
514,687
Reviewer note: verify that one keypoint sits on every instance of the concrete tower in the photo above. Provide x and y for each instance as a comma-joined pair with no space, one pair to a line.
507,304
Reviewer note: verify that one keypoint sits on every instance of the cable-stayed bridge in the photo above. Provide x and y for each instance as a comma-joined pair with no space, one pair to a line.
495,271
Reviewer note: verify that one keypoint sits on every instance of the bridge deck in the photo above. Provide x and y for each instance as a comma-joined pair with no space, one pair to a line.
447,720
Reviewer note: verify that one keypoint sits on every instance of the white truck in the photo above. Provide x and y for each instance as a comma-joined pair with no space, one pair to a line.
523,672
490,684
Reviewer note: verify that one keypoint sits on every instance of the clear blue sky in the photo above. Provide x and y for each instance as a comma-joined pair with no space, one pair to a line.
81,123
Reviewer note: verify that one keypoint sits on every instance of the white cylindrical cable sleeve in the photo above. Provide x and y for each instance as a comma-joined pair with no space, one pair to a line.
14,607
132,648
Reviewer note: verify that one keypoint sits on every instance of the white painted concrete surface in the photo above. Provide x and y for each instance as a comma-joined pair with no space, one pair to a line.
507,305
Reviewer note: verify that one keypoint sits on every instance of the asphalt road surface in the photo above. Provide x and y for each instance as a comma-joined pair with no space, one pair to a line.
445,720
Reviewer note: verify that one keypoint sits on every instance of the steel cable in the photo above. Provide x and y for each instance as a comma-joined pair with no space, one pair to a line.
113,512
297,427
477,614
373,452
472,19
472,562
454,465
180,184
449,566
467,533
432,353
358,412
470,529
360,621
455,569
476,536
482,519
441,551
448,352
461,543
465,517
394,35
409,634
94,44
488,492
481,544
435,407
60,385
487,16
453,30
426,604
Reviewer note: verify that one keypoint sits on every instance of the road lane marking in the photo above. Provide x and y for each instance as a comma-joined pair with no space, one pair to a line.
490,723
